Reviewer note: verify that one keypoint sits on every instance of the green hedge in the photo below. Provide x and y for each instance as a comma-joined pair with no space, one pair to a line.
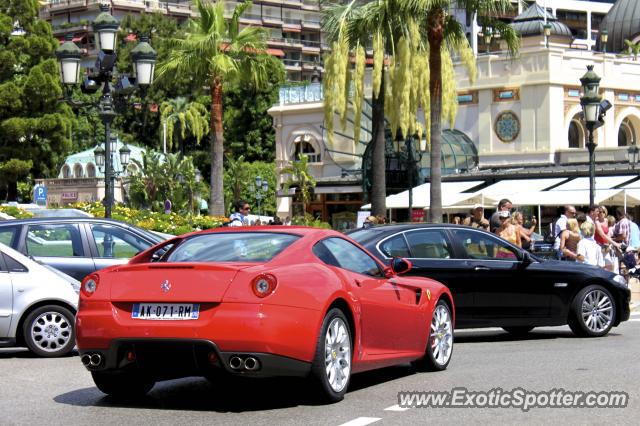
16,212
168,223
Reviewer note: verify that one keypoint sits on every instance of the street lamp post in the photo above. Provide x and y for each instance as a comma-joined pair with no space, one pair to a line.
487,40
604,36
261,188
69,55
104,156
547,33
591,105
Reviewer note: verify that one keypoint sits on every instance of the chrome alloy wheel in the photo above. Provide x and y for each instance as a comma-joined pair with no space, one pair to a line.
51,331
441,335
597,311
337,351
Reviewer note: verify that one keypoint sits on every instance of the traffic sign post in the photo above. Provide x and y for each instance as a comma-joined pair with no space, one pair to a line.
40,194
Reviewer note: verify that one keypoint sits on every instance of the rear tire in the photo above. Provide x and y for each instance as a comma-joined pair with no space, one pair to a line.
123,385
48,331
518,331
593,312
331,367
440,342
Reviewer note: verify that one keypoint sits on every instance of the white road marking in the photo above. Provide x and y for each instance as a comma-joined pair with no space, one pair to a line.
396,408
361,421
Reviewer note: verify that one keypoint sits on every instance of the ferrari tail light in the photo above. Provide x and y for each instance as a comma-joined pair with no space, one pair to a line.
90,285
263,285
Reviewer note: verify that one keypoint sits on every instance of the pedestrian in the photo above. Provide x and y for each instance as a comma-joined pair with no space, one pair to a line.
287,221
494,221
239,216
369,222
569,239
560,225
589,251
382,219
622,230
277,221
476,218
525,233
508,229
167,206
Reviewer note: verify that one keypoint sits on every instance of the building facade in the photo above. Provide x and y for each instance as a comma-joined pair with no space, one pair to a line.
293,26
522,115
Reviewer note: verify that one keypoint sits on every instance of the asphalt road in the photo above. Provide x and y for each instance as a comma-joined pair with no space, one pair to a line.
60,391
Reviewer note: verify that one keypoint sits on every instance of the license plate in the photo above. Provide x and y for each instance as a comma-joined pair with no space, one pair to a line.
165,311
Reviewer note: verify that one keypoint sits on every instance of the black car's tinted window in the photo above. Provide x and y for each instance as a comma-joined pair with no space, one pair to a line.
8,234
395,246
230,247
61,240
116,242
348,256
479,245
428,244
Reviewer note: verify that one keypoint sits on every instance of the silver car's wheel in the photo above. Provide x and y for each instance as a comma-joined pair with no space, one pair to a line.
594,312
48,331
337,354
331,367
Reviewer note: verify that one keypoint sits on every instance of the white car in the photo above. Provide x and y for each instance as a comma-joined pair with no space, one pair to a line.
37,305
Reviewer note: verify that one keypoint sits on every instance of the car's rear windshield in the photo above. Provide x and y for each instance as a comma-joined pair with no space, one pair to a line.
231,247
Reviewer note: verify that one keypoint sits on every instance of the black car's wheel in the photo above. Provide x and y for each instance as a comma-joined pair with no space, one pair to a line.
122,385
593,312
48,331
331,367
518,331
440,342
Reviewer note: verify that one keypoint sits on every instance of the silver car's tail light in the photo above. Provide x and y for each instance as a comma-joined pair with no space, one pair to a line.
263,285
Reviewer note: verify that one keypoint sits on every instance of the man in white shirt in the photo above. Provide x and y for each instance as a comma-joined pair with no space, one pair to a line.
589,251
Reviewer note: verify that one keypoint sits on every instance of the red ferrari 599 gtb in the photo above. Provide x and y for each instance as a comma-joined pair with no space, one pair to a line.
258,301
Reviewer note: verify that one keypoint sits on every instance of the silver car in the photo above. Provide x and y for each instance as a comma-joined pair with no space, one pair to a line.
37,305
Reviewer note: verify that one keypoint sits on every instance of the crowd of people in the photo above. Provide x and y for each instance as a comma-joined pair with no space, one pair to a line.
597,238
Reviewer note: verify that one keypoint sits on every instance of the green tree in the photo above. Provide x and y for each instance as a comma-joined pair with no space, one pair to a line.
34,127
299,176
217,51
445,35
248,128
239,184
633,49
181,117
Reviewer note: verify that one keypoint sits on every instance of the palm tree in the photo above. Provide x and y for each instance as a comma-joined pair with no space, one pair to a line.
216,52
444,34
632,49
190,116
299,176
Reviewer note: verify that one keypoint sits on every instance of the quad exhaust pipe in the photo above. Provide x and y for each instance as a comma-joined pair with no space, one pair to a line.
91,360
250,363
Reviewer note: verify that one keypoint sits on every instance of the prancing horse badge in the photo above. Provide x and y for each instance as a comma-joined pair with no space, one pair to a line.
165,286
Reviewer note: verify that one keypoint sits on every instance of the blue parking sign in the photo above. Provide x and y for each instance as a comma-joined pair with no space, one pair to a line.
40,193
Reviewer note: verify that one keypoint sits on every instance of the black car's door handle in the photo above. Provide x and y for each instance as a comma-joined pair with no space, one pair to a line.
481,268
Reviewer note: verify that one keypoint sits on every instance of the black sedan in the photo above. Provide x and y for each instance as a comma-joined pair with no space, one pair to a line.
76,246
496,284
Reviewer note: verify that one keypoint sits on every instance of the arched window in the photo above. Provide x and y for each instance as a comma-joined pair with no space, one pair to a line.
77,171
66,171
91,170
303,145
576,133
626,133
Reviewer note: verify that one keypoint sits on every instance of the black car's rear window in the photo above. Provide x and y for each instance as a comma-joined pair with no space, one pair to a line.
231,247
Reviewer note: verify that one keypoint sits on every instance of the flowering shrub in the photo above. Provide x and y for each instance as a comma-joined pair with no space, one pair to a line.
172,223
16,212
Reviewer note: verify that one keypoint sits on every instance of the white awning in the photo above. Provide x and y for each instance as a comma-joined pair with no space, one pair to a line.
576,197
504,188
421,196
602,182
